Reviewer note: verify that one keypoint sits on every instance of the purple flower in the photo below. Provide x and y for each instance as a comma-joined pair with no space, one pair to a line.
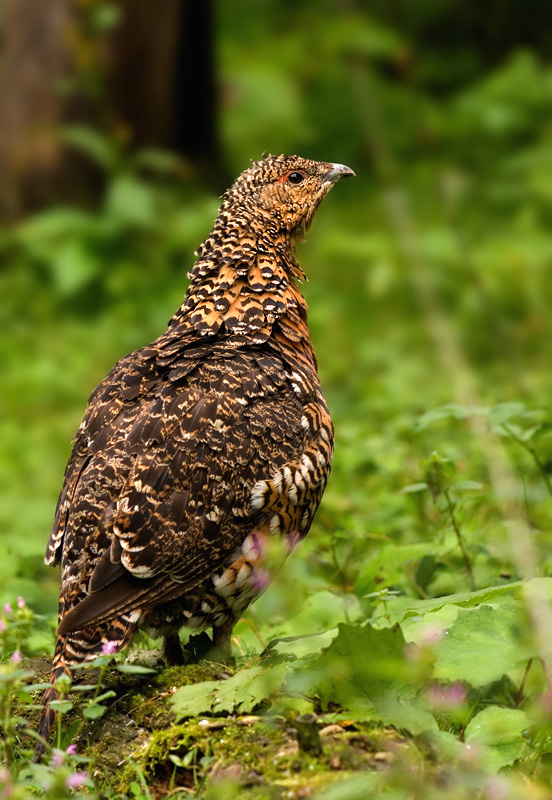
7,608
76,779
447,697
58,757
72,750
108,648
3,626
16,657
21,602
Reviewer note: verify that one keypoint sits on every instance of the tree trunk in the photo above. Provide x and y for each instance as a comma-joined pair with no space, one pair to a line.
154,85
34,59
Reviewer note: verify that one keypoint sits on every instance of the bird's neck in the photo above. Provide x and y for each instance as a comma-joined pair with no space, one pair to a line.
243,286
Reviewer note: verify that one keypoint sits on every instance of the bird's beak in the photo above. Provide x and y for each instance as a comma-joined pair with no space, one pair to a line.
337,172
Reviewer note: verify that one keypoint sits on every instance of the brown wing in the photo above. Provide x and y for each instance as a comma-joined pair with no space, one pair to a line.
163,497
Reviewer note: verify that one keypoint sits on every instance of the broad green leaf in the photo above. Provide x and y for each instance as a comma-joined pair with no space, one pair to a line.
463,599
301,646
446,743
405,715
500,730
364,671
482,645
429,629
240,693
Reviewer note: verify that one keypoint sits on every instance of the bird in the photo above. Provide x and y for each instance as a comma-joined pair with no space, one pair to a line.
203,456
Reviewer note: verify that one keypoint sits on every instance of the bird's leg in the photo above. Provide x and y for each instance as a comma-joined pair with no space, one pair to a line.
173,652
222,647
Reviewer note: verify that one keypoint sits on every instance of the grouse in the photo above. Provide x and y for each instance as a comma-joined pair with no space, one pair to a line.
206,452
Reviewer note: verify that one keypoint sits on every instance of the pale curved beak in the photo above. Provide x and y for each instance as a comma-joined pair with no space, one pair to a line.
337,172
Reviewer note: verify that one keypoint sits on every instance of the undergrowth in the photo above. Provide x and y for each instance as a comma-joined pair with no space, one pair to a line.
404,650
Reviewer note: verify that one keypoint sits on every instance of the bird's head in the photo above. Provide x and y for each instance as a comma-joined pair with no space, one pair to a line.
285,190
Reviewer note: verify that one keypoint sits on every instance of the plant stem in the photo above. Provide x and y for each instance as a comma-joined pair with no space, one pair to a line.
519,696
458,532
532,452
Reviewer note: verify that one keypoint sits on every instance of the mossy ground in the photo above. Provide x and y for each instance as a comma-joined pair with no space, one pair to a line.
255,756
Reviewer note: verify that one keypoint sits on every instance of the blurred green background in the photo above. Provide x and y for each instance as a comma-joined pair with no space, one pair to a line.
428,275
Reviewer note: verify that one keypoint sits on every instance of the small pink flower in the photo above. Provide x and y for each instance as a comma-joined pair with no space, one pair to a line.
16,657
108,648
3,626
21,602
7,608
72,750
433,634
76,779
4,775
58,757
446,698
497,788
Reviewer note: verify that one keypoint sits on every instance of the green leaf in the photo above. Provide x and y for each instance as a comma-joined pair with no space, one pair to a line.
307,646
364,671
131,201
240,693
482,645
62,706
502,412
467,485
73,267
412,488
105,696
463,599
134,669
94,712
500,731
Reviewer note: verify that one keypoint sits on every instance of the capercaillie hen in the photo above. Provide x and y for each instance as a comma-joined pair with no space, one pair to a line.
200,451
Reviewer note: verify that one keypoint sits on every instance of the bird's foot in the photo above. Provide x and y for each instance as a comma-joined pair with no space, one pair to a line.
173,652
221,651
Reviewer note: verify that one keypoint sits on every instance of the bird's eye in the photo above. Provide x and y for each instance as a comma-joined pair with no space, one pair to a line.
295,177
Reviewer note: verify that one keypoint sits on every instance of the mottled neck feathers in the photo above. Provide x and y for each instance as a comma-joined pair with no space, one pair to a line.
244,284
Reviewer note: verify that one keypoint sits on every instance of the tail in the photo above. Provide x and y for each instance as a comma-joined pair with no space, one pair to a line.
84,646
48,714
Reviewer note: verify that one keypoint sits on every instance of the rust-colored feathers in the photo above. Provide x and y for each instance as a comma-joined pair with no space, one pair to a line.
201,449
